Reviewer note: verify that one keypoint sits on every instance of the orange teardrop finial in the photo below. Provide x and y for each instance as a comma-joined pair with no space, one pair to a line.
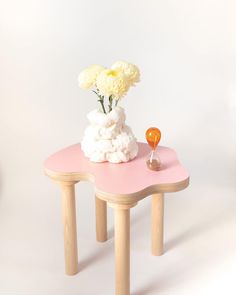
153,136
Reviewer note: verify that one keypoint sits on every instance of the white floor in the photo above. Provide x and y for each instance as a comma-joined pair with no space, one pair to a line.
200,245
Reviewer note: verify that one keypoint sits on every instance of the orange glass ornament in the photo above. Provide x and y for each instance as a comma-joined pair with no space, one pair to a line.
153,136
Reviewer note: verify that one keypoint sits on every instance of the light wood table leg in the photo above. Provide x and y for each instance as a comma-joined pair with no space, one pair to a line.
157,223
122,248
70,232
101,220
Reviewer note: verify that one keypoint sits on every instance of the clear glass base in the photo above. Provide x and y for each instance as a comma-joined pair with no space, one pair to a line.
153,161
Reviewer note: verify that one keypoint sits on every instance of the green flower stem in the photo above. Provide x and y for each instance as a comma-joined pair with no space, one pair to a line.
101,100
110,103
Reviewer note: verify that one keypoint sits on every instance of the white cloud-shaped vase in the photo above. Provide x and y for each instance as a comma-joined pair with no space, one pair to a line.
108,138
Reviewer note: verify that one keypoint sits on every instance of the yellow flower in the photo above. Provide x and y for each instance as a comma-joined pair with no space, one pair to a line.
131,71
112,82
87,78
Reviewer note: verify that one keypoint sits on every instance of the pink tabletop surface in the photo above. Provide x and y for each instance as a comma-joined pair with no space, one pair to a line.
123,178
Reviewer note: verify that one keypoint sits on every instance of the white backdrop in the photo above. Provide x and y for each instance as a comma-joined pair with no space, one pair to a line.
186,51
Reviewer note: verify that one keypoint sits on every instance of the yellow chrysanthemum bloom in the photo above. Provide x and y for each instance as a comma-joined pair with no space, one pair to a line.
131,71
87,78
112,82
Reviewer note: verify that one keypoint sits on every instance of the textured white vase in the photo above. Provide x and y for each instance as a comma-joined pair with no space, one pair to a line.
108,138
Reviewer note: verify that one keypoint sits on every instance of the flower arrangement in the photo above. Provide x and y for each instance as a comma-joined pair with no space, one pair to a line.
109,84
108,138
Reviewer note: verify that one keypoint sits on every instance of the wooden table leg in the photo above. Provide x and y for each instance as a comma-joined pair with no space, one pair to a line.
157,223
70,232
122,248
122,251
101,220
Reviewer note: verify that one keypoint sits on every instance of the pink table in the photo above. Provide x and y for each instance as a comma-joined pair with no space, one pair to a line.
120,186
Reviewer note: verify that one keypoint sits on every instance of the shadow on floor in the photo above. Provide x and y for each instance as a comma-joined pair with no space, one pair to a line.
171,277
99,254
205,258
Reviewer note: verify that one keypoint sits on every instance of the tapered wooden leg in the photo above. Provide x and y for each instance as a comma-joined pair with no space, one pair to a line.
101,220
122,248
70,232
122,251
157,223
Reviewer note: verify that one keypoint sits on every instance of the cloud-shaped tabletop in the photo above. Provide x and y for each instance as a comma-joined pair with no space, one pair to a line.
124,182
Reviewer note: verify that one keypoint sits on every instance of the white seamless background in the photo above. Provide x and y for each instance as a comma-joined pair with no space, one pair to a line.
186,51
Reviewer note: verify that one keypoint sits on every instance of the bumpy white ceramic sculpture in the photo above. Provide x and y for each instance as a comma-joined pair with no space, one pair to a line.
108,138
